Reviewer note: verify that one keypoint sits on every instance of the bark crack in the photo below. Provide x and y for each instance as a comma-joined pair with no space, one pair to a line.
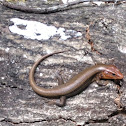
8,120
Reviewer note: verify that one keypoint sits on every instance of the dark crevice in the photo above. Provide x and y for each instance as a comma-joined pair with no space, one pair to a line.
123,111
97,121
12,122
10,86
35,121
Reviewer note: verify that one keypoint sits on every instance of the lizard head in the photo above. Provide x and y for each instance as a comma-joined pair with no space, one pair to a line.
111,72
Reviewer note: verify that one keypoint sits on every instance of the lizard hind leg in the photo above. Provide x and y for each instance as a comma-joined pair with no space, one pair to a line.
62,101
60,79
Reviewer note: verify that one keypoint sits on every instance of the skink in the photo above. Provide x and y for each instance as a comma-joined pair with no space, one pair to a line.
76,84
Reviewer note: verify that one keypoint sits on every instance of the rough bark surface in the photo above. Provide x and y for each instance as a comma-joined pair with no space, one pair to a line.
103,40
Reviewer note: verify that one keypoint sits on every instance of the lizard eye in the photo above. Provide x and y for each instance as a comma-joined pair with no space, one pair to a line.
113,74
